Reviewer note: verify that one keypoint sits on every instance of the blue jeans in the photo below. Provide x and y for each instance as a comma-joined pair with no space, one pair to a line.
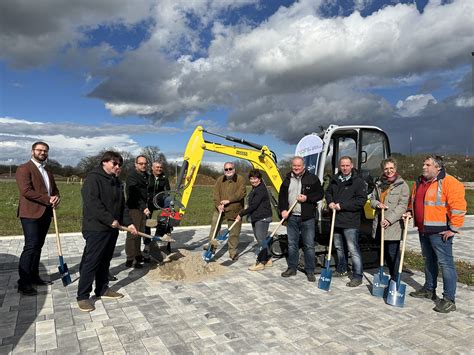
297,227
439,253
260,230
351,236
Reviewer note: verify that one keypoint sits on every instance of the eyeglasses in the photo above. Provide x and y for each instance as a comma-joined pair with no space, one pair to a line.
142,163
228,169
115,163
42,150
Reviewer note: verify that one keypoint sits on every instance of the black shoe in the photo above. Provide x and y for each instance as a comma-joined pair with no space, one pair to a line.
311,277
111,277
424,293
288,273
138,265
41,282
129,263
139,259
147,260
354,283
27,291
340,274
445,306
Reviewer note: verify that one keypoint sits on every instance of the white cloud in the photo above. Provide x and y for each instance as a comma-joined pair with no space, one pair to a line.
69,141
465,101
413,105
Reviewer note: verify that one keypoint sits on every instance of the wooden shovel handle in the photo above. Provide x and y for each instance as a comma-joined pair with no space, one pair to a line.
283,219
382,236
404,241
331,234
215,227
126,229
58,241
232,225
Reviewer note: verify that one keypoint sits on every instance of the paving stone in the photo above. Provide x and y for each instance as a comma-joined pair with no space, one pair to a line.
243,312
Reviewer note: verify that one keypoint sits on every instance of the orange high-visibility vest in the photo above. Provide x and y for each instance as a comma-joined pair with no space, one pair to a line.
444,205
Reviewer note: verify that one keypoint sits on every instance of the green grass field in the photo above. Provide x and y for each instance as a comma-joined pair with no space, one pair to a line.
199,209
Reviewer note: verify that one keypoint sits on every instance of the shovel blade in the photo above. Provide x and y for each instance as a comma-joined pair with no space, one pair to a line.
396,294
207,256
65,276
325,278
380,284
222,237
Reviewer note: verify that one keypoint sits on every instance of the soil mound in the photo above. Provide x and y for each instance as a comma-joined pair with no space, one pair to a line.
204,180
186,266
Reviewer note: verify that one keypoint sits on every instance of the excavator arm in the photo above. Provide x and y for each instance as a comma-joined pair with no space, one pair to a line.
259,156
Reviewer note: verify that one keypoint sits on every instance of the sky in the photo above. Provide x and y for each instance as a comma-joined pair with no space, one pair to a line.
86,75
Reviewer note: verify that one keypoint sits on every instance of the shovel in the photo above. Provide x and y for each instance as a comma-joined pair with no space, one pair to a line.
208,255
223,237
164,238
63,270
380,282
396,290
266,242
325,278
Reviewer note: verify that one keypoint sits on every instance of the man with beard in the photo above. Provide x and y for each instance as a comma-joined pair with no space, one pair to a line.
38,196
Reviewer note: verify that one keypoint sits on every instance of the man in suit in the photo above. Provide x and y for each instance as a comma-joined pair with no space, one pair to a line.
38,196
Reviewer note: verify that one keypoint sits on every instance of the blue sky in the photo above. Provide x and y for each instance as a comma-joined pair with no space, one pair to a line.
84,75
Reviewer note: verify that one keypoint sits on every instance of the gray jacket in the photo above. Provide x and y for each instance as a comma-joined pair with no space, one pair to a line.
397,202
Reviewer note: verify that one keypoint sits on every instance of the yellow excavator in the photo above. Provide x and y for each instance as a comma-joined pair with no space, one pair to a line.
367,145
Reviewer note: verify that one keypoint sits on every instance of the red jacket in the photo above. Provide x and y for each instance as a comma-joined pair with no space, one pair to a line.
34,196
444,204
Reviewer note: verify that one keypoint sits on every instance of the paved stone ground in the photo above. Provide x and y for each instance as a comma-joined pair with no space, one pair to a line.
242,311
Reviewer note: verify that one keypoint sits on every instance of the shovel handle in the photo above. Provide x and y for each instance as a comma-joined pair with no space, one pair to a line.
283,219
126,229
331,234
58,241
404,241
382,236
215,227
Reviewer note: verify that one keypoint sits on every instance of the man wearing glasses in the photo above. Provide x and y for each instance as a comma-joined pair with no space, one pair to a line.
137,203
229,194
38,196
104,210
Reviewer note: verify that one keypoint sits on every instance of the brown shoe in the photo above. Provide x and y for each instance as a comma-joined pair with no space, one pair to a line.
111,294
269,263
85,305
257,267
234,257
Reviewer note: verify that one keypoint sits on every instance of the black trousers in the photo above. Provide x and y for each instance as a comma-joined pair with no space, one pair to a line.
95,262
35,230
392,257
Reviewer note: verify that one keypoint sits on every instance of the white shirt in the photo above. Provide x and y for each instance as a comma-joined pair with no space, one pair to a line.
44,174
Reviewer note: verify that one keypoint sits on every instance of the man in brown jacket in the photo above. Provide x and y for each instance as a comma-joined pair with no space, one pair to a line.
38,196
229,195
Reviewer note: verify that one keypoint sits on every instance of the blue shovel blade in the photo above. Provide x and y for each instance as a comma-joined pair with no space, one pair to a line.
379,285
64,273
325,278
223,237
396,295
207,256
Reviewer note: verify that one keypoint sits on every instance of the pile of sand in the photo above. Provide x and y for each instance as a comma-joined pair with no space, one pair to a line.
186,266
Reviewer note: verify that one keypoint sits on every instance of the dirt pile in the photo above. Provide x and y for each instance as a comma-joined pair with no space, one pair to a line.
186,266
204,180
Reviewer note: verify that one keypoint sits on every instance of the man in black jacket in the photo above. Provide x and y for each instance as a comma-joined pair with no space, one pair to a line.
304,187
347,194
104,210
137,203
